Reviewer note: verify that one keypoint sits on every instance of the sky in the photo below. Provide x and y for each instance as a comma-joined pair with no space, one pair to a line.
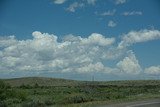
80,39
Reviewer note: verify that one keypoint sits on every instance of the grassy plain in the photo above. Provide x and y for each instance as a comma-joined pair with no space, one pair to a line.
51,92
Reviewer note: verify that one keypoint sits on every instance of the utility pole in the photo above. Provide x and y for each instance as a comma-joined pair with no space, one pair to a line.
92,78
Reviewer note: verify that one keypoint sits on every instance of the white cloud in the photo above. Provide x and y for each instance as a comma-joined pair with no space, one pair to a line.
59,1
7,41
138,36
153,70
45,53
73,54
120,1
108,13
80,4
74,6
92,2
98,39
129,64
97,67
132,13
112,24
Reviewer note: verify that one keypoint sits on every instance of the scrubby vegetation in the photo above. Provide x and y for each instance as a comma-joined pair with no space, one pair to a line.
38,95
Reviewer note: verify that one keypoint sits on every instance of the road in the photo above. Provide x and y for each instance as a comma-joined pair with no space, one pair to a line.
146,103
150,104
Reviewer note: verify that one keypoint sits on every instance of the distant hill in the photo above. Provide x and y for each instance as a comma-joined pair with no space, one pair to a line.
41,81
44,81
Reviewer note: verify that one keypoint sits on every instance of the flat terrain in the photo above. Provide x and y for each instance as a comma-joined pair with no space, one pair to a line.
48,92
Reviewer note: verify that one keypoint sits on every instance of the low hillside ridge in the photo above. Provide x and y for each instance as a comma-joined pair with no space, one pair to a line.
41,81
45,81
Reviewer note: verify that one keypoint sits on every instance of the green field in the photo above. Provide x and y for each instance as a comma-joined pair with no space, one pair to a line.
50,92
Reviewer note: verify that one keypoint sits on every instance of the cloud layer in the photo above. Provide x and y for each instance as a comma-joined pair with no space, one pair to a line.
74,54
45,53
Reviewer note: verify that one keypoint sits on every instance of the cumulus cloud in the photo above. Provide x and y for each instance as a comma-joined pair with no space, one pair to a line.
45,53
97,67
132,13
74,6
7,41
138,36
98,39
59,1
129,64
112,24
153,70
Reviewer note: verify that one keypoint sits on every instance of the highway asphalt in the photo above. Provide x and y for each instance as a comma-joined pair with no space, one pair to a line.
146,103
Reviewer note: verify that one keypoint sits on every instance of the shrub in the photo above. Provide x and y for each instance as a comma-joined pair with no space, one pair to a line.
2,95
12,101
36,85
33,104
4,91
21,95
76,99
4,85
23,86
49,102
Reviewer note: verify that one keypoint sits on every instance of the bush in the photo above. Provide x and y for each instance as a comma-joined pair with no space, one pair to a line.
76,99
36,85
3,85
12,101
33,104
4,90
23,86
49,102
2,95
21,95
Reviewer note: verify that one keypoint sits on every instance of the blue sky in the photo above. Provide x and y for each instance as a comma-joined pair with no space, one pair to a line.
128,29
